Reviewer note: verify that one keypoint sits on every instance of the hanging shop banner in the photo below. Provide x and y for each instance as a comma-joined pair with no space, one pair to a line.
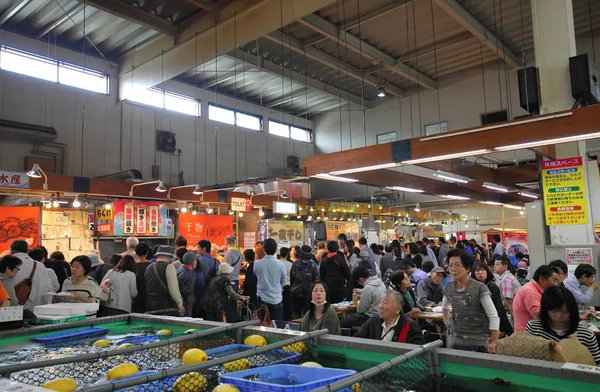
104,220
19,223
261,230
576,256
142,219
141,225
286,233
348,228
564,192
214,228
153,212
240,204
10,179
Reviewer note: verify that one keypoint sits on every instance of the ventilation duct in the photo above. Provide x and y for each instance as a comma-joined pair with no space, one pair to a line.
23,132
133,175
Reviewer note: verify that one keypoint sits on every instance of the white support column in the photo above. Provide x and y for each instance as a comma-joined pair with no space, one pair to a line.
554,41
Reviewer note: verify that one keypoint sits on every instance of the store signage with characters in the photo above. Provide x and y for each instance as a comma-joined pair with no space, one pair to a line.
136,218
10,179
578,256
286,233
280,207
214,228
348,228
240,204
564,192
104,220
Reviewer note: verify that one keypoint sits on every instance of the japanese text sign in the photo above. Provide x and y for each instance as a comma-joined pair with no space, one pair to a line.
564,192
214,228
286,233
579,256
348,228
10,179
240,204
139,218
104,220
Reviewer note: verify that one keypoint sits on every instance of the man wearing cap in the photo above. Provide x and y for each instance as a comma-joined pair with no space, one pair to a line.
186,279
161,283
234,258
430,291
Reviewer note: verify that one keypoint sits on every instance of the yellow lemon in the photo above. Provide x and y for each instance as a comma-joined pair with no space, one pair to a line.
299,347
255,340
122,370
192,330
61,385
193,356
190,382
240,364
102,343
356,387
165,332
225,388
312,364
124,345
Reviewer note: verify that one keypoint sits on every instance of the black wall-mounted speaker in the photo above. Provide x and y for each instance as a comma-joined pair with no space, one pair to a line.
529,91
584,79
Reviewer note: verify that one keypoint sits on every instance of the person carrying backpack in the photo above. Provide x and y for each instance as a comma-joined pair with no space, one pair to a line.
334,271
206,270
303,274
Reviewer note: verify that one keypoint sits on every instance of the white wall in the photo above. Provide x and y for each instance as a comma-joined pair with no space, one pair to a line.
94,135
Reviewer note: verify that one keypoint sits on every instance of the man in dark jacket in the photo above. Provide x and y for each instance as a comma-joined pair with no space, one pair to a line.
334,271
387,260
186,278
303,274
390,325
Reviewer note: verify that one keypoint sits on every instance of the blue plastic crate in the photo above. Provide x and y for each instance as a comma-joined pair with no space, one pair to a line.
138,339
224,351
306,378
75,334
275,357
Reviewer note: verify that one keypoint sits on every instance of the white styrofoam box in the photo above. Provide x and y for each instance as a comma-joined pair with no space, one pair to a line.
11,313
66,309
10,385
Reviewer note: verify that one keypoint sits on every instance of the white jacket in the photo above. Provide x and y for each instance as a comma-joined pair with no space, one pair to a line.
41,285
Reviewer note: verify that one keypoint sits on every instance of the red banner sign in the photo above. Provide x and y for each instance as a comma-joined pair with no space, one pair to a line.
153,228
128,218
19,223
142,222
205,227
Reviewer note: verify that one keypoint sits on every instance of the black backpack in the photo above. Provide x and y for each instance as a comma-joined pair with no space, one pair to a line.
212,273
303,278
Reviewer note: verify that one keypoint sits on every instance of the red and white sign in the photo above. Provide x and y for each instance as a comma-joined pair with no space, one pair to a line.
153,228
128,210
142,221
240,204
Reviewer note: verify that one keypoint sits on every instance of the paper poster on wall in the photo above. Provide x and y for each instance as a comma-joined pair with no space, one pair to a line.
214,228
564,192
515,242
576,256
249,240
348,228
19,223
126,222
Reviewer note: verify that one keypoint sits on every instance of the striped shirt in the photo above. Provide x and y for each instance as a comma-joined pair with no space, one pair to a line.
509,285
584,335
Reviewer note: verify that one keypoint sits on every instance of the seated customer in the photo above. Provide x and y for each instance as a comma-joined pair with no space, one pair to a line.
401,283
320,315
390,325
585,275
559,319
371,294
430,291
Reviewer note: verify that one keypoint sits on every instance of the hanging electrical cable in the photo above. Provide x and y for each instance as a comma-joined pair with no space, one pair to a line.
435,64
498,59
413,5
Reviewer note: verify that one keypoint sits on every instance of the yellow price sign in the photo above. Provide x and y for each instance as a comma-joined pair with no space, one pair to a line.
104,213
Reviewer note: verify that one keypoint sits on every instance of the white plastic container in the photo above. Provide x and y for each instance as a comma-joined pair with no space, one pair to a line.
66,309
11,313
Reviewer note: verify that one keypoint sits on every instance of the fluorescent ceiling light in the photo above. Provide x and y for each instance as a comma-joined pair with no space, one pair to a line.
454,197
527,194
492,203
495,187
403,189
447,156
451,177
365,168
549,141
513,207
325,176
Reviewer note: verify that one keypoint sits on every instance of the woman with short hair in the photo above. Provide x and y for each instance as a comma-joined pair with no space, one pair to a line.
82,286
482,273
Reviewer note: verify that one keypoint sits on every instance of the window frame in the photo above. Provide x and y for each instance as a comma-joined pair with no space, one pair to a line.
163,93
235,119
57,64
289,127
438,124
384,134
308,130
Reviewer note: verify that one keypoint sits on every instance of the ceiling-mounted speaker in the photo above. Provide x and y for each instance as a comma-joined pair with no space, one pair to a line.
584,79
529,91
